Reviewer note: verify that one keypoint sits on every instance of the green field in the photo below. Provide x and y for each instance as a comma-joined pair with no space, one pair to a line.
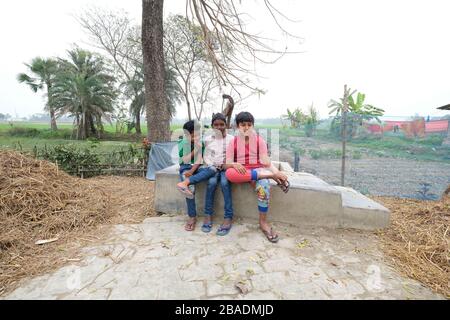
27,136
64,126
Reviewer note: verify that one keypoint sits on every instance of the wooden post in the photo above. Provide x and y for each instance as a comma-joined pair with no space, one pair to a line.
297,161
344,133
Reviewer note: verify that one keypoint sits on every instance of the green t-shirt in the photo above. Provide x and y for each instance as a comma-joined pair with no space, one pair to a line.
185,147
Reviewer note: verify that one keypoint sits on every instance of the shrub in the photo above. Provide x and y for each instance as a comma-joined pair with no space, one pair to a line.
23,132
356,154
327,154
69,157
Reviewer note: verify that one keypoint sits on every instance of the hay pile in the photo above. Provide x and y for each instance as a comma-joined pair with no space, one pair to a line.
40,202
418,240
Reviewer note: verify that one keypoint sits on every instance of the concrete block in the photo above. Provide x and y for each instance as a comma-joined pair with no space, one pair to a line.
360,212
310,201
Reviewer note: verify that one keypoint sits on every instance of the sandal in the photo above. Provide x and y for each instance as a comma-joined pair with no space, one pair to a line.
186,192
224,230
285,186
206,228
190,225
269,235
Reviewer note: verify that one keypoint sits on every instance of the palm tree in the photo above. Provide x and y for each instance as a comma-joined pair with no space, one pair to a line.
135,90
84,88
43,74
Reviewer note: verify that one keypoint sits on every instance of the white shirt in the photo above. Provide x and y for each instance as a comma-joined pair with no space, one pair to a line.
216,150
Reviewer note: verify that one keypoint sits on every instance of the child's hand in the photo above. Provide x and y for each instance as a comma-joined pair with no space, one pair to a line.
188,174
240,168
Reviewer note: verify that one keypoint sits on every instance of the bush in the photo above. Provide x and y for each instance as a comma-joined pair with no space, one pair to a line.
23,132
43,133
356,154
69,157
327,154
432,140
65,134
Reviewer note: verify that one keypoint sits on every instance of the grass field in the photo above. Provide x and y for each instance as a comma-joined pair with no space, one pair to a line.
27,135
64,126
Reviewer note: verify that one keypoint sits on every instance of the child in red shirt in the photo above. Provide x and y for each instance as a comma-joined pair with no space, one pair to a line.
248,162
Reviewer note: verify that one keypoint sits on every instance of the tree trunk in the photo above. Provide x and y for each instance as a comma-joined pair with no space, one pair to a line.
53,125
138,123
158,113
53,119
188,103
344,134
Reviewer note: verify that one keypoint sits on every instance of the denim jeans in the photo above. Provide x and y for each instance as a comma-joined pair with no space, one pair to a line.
202,174
226,191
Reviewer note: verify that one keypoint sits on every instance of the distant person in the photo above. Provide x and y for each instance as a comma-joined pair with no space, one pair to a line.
191,150
248,162
215,155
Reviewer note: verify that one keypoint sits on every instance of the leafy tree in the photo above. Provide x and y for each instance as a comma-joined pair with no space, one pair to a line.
43,73
358,111
84,88
295,117
299,118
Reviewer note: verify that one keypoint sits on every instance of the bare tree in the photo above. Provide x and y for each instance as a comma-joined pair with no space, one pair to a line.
229,47
115,33
184,52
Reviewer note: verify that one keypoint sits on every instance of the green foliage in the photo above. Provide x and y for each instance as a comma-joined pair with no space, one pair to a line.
357,112
325,154
23,132
432,140
356,154
69,157
308,120
84,88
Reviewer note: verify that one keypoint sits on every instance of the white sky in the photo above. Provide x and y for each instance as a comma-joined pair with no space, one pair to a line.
397,52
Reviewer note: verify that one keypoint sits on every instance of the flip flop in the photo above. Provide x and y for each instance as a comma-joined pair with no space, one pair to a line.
186,192
223,231
190,226
285,186
270,236
206,228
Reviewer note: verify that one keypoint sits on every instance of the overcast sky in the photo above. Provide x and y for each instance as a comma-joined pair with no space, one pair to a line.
397,52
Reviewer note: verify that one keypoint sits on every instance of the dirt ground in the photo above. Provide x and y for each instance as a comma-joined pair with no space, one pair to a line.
132,202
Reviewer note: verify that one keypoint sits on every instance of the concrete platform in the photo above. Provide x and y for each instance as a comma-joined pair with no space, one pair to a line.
310,201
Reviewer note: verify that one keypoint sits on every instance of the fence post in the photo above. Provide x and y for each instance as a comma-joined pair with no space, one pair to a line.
296,161
344,133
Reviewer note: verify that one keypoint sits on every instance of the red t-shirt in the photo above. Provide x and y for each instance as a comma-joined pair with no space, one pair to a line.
247,154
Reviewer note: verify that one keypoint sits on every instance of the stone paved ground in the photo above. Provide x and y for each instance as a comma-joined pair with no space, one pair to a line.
159,260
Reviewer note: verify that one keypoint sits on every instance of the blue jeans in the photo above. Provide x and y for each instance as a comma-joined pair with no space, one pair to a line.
202,174
226,191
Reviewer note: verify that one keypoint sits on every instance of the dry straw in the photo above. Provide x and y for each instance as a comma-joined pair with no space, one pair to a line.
418,241
39,202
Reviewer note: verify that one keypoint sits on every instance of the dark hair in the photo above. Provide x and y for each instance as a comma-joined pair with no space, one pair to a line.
191,126
245,117
218,116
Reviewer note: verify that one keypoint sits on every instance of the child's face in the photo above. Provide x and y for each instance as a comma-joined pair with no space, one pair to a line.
219,125
246,128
